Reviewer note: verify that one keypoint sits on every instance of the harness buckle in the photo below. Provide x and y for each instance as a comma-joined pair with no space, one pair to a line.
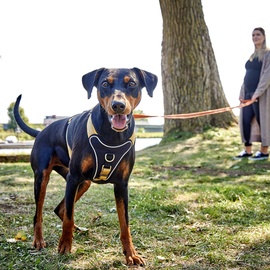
104,172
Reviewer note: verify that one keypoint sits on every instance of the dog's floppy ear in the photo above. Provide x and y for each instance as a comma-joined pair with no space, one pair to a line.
90,80
148,80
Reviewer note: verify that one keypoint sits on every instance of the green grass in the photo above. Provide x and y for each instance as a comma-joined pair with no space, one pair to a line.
191,207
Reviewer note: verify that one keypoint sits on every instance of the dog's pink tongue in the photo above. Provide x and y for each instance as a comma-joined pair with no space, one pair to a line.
119,121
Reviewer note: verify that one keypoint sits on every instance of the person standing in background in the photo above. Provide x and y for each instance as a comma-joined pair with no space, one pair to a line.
254,119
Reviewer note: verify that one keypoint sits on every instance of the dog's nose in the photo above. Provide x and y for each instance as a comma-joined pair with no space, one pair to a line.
118,106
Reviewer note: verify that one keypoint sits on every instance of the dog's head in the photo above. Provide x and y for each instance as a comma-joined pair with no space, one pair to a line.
119,91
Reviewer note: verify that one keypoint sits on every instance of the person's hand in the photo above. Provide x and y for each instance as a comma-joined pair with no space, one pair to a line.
254,99
242,100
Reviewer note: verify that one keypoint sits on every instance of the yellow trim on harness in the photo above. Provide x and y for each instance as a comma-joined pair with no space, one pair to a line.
68,147
90,127
133,137
90,131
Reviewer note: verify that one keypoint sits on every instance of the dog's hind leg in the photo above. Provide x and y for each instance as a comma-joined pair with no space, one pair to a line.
41,181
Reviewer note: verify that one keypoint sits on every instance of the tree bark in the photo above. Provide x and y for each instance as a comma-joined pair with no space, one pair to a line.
190,77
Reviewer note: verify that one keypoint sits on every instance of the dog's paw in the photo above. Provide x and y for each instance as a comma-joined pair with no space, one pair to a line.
64,246
135,260
39,243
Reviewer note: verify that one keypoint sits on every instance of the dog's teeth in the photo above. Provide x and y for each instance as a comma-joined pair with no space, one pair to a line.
119,122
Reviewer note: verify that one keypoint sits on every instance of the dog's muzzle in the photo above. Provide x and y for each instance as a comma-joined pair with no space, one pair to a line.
119,122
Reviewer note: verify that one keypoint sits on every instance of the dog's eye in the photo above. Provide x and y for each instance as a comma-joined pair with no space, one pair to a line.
105,84
131,84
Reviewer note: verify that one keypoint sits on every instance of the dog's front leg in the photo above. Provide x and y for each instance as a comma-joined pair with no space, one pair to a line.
60,209
65,242
121,198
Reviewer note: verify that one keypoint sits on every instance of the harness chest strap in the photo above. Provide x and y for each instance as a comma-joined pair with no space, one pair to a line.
106,157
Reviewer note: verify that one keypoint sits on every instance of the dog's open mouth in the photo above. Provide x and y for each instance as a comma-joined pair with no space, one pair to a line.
119,122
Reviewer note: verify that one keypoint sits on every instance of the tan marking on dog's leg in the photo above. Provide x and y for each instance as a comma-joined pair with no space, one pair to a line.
38,241
65,242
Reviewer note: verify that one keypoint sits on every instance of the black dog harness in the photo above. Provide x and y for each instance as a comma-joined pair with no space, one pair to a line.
107,157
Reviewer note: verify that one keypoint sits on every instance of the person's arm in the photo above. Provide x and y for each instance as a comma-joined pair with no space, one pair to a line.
242,93
264,81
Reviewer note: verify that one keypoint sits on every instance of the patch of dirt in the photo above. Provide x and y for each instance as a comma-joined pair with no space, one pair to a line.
7,208
230,172
10,203
14,158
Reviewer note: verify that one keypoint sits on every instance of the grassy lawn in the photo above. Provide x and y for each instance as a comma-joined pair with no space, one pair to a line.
191,207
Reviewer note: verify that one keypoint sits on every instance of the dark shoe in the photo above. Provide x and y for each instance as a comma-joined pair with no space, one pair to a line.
259,156
243,154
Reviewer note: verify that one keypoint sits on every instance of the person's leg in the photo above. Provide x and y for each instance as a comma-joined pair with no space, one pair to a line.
264,149
248,149
248,114
256,109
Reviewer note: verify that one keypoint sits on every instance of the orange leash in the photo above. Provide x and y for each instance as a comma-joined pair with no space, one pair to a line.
196,114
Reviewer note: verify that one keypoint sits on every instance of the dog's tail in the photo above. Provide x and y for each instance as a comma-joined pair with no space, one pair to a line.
31,131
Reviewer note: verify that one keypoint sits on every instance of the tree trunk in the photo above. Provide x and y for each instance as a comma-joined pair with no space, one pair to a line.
190,77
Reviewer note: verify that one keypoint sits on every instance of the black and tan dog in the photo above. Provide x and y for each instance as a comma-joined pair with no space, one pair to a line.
94,146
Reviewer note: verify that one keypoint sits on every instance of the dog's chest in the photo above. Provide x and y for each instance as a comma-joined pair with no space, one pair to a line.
105,158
